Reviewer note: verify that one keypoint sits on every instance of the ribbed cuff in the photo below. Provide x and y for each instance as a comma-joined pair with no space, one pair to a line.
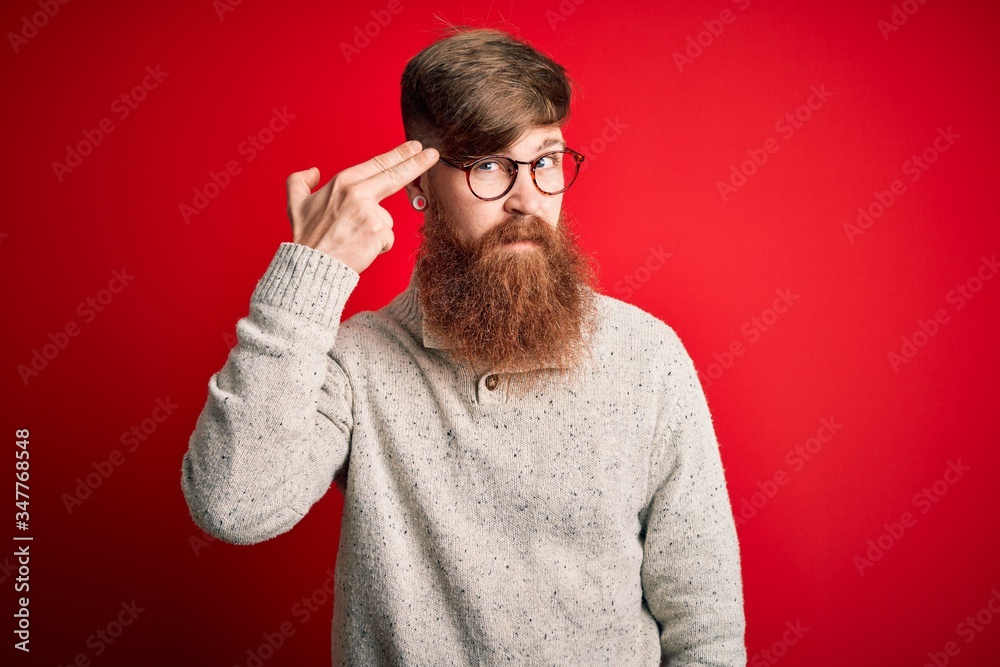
308,283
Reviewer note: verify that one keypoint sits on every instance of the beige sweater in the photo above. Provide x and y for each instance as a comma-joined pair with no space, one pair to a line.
580,525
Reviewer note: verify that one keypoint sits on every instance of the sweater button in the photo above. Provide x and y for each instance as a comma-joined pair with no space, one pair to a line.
491,382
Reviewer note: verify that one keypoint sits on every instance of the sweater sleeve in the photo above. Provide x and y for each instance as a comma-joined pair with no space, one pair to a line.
691,563
276,427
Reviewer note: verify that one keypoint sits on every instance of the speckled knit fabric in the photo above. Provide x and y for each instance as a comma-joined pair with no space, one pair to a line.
580,525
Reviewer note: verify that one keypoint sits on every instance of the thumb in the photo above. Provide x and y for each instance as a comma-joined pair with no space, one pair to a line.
301,184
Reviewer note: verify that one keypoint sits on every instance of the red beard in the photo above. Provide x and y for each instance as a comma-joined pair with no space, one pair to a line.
504,309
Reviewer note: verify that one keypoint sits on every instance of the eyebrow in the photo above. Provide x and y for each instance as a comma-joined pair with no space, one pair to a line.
545,143
551,141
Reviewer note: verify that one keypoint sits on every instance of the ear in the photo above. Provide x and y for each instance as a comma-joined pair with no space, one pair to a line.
415,187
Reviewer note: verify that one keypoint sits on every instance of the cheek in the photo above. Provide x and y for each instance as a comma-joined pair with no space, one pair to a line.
462,220
455,198
474,225
552,210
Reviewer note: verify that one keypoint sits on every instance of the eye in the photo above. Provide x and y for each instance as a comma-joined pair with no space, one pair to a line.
548,161
488,166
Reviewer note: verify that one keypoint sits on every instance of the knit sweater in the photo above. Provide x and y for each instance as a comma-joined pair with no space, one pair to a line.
582,524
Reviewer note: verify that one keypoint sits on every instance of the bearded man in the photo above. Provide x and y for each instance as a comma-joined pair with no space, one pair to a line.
529,467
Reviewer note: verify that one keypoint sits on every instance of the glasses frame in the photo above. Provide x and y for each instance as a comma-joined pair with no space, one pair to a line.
467,168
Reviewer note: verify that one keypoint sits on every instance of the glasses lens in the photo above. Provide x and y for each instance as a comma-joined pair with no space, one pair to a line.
555,172
490,177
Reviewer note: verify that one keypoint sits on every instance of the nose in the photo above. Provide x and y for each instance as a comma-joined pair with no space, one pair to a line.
524,198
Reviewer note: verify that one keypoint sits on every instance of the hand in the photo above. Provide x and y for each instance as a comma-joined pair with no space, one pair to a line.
343,218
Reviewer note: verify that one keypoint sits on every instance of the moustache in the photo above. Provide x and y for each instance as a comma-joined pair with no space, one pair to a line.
518,228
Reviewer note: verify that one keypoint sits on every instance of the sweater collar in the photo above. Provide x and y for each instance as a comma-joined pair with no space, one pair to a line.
407,308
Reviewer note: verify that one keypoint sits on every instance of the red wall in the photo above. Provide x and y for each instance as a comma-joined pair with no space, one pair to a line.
851,367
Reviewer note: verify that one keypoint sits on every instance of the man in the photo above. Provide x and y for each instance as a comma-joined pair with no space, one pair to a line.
530,471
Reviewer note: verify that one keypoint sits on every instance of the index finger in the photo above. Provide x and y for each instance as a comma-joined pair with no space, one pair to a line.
380,163
394,178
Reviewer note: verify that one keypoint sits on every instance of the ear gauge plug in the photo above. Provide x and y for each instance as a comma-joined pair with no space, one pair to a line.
419,202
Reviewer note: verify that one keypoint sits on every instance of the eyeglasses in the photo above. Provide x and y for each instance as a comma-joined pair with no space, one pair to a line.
493,176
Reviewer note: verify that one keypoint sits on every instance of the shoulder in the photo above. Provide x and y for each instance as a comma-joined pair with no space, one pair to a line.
625,324
370,335
365,325
640,344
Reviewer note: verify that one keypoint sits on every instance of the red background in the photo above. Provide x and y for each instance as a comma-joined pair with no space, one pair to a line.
651,183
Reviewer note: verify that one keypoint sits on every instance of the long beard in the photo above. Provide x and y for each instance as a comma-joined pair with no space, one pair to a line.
506,309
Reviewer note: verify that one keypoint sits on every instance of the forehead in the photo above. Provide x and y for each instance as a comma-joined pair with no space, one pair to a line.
536,140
